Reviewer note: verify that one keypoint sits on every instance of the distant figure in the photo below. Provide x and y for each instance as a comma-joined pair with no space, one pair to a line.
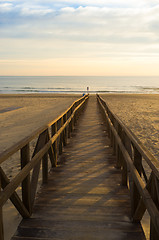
87,89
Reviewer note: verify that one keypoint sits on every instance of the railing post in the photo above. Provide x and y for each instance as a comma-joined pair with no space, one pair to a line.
26,188
137,160
45,168
72,119
61,138
69,126
154,188
53,132
75,117
64,132
135,192
128,146
119,154
1,218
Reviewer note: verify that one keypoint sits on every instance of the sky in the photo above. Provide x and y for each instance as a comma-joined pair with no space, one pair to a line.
82,37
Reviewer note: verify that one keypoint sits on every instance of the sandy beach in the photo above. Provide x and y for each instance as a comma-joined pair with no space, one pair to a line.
140,112
20,115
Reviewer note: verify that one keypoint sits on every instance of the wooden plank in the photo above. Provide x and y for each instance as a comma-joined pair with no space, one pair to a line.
150,205
54,131
65,131
135,193
84,198
26,188
153,227
61,138
10,188
34,180
139,212
1,219
51,151
15,199
45,168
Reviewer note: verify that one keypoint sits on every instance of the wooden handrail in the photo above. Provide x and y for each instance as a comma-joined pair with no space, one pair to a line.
13,149
47,145
130,152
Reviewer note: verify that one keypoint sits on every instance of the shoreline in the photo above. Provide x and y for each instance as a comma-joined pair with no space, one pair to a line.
26,93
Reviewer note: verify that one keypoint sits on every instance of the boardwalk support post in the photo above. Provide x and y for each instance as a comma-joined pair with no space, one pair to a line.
26,188
1,219
53,132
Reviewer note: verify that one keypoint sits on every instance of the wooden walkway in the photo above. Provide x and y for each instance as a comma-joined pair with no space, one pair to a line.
84,198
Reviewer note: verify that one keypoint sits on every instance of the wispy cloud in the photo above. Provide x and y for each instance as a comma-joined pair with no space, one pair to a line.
79,28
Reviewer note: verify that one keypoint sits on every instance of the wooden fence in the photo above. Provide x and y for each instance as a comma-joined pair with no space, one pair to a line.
131,155
50,140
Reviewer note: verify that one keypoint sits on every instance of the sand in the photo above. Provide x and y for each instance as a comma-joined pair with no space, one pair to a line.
20,115
140,113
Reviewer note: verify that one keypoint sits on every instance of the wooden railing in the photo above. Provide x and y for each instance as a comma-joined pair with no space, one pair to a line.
131,156
50,140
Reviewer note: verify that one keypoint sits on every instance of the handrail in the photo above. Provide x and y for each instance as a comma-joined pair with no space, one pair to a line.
130,153
48,144
10,151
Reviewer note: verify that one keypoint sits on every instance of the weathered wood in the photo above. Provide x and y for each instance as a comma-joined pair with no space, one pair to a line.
61,139
65,131
149,158
84,198
139,212
26,188
51,151
135,172
153,228
34,180
45,168
11,187
124,170
15,199
135,193
1,218
54,131
13,149
71,123
138,160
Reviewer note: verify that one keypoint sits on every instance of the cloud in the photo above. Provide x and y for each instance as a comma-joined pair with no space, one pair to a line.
6,7
83,28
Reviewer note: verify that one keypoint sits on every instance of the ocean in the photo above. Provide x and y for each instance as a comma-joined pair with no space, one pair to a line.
78,84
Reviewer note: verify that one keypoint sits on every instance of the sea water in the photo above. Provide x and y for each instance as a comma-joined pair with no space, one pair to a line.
78,84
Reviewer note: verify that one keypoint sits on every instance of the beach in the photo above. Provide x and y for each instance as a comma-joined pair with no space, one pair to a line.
21,115
140,113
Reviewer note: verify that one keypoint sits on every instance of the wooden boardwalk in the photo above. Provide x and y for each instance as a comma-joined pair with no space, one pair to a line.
84,198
